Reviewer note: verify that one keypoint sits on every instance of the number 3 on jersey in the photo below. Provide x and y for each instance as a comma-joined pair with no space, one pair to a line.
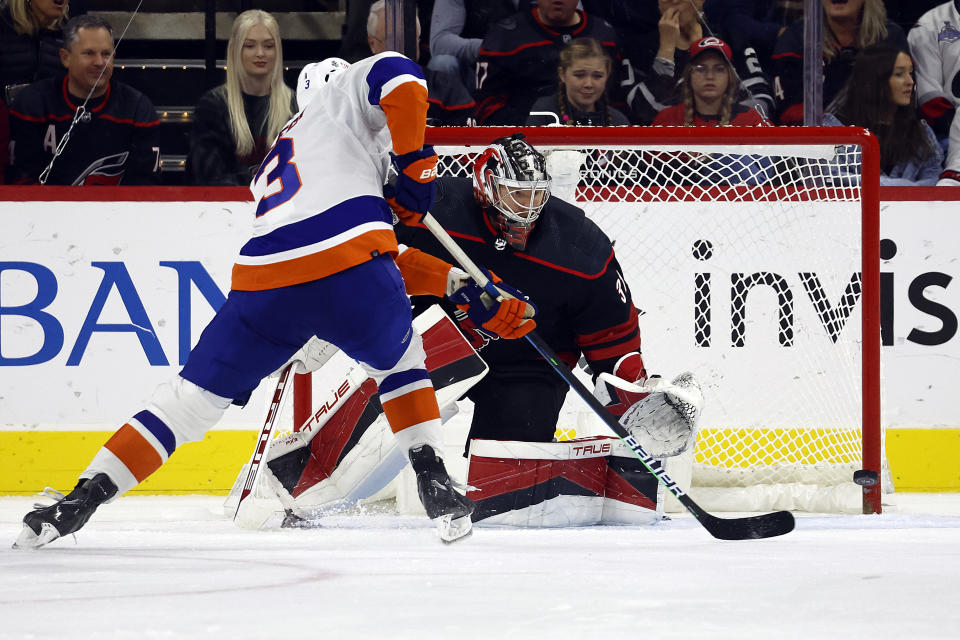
285,171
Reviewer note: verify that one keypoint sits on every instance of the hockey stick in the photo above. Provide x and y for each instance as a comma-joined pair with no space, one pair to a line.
767,525
276,403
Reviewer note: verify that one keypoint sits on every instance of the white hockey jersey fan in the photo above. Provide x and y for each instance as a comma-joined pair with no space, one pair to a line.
935,45
319,191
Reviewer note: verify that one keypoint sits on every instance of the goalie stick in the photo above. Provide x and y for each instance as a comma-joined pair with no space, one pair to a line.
767,525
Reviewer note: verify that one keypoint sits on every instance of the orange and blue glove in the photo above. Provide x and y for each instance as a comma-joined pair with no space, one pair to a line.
411,196
510,317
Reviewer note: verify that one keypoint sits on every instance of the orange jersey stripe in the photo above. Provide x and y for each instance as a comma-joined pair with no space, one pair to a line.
135,452
412,408
314,266
406,111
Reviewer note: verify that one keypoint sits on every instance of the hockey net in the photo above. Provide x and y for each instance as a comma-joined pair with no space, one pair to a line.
752,255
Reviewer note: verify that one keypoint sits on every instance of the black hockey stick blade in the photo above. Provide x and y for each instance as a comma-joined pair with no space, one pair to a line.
767,525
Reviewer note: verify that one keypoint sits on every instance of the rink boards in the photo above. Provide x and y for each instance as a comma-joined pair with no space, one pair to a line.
101,301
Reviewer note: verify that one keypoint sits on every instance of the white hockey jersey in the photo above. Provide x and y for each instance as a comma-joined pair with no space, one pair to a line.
319,206
935,46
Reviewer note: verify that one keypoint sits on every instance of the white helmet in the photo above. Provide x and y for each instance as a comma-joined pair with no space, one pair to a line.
316,75
511,182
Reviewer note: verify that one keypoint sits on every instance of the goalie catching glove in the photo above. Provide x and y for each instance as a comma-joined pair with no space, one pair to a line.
509,317
412,195
662,416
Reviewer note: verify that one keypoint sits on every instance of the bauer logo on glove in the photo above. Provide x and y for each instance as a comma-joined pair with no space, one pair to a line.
412,195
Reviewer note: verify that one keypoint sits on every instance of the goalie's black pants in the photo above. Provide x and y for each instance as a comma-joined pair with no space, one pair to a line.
507,408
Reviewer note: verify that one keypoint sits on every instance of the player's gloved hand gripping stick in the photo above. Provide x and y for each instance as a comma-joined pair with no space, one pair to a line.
762,526
509,314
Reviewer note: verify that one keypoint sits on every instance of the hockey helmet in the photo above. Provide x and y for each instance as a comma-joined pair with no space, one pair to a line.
511,182
315,75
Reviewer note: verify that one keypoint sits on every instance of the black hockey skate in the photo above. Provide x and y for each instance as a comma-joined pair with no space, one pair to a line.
47,523
448,508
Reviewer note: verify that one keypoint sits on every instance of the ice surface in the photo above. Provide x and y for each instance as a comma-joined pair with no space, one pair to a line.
174,567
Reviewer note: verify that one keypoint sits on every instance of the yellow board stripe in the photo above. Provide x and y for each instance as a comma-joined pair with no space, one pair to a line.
920,459
32,460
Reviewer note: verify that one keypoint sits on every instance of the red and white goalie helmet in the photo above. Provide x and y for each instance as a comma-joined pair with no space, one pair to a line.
510,180
314,76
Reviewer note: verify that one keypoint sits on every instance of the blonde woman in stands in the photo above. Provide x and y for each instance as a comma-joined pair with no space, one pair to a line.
31,35
236,122
581,96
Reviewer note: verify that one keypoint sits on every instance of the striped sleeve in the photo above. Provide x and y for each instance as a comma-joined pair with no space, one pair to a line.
397,85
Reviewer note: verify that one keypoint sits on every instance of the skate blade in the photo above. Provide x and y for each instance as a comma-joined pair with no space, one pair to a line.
451,530
30,540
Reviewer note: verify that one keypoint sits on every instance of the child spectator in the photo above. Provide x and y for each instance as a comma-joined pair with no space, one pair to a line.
935,44
881,96
30,39
236,122
111,141
848,26
709,90
581,98
517,63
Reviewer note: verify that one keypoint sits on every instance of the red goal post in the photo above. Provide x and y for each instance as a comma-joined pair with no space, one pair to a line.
638,181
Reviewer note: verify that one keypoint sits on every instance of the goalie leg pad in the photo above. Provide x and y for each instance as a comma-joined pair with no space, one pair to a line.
346,451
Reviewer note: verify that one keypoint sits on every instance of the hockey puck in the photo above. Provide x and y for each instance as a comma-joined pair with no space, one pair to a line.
866,478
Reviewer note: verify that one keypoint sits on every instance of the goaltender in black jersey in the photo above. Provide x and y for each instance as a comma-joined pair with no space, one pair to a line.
558,257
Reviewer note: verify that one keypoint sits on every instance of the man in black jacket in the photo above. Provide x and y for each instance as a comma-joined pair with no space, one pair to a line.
110,128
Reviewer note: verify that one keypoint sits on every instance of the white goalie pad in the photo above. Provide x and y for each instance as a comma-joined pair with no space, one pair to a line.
665,420
346,451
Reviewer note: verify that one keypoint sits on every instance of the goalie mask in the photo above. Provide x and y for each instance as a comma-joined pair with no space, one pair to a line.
510,181
314,76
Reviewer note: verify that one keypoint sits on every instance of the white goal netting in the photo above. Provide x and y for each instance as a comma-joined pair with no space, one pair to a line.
743,250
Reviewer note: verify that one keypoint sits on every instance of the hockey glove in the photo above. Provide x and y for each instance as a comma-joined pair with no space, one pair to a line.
411,196
510,318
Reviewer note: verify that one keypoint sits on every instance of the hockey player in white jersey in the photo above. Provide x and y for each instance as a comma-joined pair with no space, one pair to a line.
935,45
320,262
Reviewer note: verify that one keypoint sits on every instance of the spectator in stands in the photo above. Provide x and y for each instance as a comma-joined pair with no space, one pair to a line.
848,27
935,44
458,28
30,39
581,98
634,21
881,96
236,123
518,59
753,24
449,101
4,140
678,28
112,125
709,90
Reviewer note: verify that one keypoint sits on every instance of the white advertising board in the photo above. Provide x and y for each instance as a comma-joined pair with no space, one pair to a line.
100,301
